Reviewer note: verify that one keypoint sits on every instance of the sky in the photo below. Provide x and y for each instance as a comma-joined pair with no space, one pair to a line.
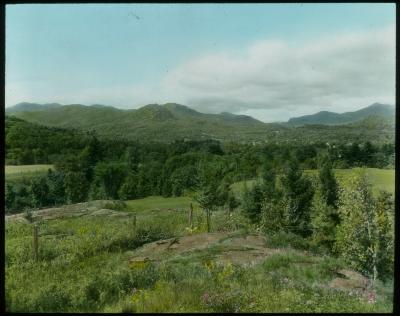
270,61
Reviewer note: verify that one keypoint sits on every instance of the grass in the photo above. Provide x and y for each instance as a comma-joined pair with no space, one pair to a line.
84,267
238,187
381,179
25,171
159,203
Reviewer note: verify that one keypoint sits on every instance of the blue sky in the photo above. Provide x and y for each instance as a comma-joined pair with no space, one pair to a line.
212,57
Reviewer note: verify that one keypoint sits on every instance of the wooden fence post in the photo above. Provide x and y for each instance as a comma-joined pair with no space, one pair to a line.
208,220
191,216
36,241
134,222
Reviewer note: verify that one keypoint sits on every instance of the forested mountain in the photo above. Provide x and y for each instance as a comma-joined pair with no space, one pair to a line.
163,123
26,106
168,122
331,118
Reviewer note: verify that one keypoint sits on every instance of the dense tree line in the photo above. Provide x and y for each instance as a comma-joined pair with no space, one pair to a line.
28,143
87,167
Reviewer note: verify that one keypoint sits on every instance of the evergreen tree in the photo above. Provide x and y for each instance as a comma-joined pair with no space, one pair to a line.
272,215
329,186
76,186
55,181
368,154
129,189
110,176
132,158
298,194
39,192
232,202
268,176
253,202
323,225
9,197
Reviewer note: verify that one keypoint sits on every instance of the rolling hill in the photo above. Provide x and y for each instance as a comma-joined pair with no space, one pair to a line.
171,121
157,122
331,118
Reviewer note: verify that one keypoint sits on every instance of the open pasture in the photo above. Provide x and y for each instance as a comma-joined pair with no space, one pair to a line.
381,179
25,171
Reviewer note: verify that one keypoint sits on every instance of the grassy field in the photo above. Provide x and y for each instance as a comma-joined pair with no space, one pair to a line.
25,171
85,264
159,203
381,179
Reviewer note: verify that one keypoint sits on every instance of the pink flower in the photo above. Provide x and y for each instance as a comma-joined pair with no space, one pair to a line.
206,298
371,297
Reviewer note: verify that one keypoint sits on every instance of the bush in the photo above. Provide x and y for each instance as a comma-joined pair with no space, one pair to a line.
284,239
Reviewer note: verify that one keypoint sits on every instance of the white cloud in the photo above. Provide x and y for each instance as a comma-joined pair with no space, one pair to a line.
272,80
342,71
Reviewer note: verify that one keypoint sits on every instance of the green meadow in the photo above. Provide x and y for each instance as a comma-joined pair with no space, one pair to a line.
85,264
381,179
13,173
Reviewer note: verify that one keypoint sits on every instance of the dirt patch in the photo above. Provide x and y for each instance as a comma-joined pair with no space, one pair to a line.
349,280
223,247
245,257
92,208
178,245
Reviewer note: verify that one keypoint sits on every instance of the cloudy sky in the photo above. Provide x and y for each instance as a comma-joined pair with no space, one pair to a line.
271,61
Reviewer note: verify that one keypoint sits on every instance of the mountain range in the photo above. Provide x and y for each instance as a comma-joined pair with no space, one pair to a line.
331,118
174,121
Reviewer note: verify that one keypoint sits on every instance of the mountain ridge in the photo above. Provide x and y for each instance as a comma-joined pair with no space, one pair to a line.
172,121
332,118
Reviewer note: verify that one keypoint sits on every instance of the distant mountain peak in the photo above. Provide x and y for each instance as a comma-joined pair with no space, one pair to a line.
331,118
28,106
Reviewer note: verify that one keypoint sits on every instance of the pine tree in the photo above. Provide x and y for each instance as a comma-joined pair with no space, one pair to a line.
232,202
76,186
298,194
323,225
253,202
39,191
325,217
9,197
272,207
329,186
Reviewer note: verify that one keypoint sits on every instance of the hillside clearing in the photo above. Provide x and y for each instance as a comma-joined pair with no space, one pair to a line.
15,173
381,179
91,248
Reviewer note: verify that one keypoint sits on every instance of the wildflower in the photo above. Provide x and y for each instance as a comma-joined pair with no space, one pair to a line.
371,297
285,280
206,298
